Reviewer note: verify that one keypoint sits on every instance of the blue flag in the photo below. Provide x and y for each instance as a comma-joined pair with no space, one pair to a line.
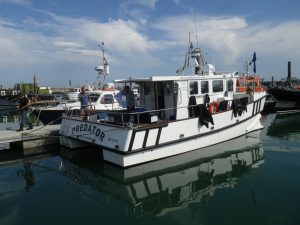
121,99
253,60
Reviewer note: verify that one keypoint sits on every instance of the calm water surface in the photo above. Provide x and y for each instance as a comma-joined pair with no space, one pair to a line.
250,180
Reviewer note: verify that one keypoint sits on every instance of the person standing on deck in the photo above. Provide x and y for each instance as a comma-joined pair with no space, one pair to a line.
85,102
23,107
129,98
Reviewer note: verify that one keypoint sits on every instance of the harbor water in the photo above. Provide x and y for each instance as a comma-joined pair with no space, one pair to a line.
253,179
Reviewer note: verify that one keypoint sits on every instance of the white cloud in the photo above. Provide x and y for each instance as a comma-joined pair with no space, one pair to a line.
232,39
147,3
123,35
67,44
58,48
138,3
18,2
72,43
137,9
7,23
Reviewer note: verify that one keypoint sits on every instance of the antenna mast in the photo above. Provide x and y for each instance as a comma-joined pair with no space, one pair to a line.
196,27
103,70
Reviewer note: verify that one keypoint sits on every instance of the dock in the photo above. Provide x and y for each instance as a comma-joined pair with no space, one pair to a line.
38,136
283,112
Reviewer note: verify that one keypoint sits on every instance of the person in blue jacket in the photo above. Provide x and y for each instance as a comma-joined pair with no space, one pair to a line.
85,102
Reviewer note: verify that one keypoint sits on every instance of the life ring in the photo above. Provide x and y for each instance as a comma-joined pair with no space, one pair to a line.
213,107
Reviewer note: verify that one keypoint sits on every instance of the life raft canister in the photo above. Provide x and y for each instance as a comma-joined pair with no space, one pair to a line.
213,107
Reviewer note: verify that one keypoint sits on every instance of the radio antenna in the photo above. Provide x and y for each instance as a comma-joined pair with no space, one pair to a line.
196,26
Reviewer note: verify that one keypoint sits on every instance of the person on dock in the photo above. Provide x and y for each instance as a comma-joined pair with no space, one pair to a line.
129,99
85,102
23,108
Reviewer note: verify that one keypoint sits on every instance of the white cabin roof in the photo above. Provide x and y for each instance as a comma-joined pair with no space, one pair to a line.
176,78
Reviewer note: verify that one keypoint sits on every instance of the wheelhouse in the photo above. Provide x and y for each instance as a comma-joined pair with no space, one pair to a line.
173,94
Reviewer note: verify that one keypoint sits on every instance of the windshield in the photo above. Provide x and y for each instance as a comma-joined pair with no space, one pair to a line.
94,97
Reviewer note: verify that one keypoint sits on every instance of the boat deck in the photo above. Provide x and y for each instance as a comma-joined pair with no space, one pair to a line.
140,125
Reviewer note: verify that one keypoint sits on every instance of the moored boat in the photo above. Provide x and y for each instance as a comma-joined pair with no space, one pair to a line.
6,105
101,100
287,94
73,93
248,83
176,114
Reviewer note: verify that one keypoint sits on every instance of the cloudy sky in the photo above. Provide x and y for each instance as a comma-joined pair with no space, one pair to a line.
57,40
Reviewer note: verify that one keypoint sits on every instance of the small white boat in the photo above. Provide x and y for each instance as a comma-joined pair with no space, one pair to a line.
176,114
101,100
73,93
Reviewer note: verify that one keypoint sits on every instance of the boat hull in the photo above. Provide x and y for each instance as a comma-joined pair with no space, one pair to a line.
286,98
129,146
285,94
183,146
52,116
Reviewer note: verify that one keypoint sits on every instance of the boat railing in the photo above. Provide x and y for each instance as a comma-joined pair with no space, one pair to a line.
141,118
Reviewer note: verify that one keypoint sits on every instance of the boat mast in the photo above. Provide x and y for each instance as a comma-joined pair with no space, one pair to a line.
198,58
103,69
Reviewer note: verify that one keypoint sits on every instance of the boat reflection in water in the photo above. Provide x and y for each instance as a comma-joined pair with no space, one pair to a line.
285,133
166,185
284,126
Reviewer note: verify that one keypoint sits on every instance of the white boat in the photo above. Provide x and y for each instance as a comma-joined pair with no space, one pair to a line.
101,100
176,114
73,93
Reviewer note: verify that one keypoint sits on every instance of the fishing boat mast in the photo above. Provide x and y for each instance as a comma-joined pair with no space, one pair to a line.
102,69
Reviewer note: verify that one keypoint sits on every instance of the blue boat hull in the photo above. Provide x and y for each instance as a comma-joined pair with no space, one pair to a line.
52,116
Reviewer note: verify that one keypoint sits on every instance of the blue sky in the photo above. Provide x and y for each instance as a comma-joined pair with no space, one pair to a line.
57,39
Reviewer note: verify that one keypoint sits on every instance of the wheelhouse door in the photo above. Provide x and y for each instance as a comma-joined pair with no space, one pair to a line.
165,99
159,96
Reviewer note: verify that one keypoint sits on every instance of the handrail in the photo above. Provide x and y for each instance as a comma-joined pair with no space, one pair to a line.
134,119
127,117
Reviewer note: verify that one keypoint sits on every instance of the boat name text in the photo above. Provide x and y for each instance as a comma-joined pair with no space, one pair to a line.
89,129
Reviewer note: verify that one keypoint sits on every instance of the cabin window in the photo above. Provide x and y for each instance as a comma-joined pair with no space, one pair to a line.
230,85
194,88
94,97
146,89
107,99
217,85
204,87
168,88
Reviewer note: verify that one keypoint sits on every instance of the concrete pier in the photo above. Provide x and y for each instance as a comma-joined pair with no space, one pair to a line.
38,136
